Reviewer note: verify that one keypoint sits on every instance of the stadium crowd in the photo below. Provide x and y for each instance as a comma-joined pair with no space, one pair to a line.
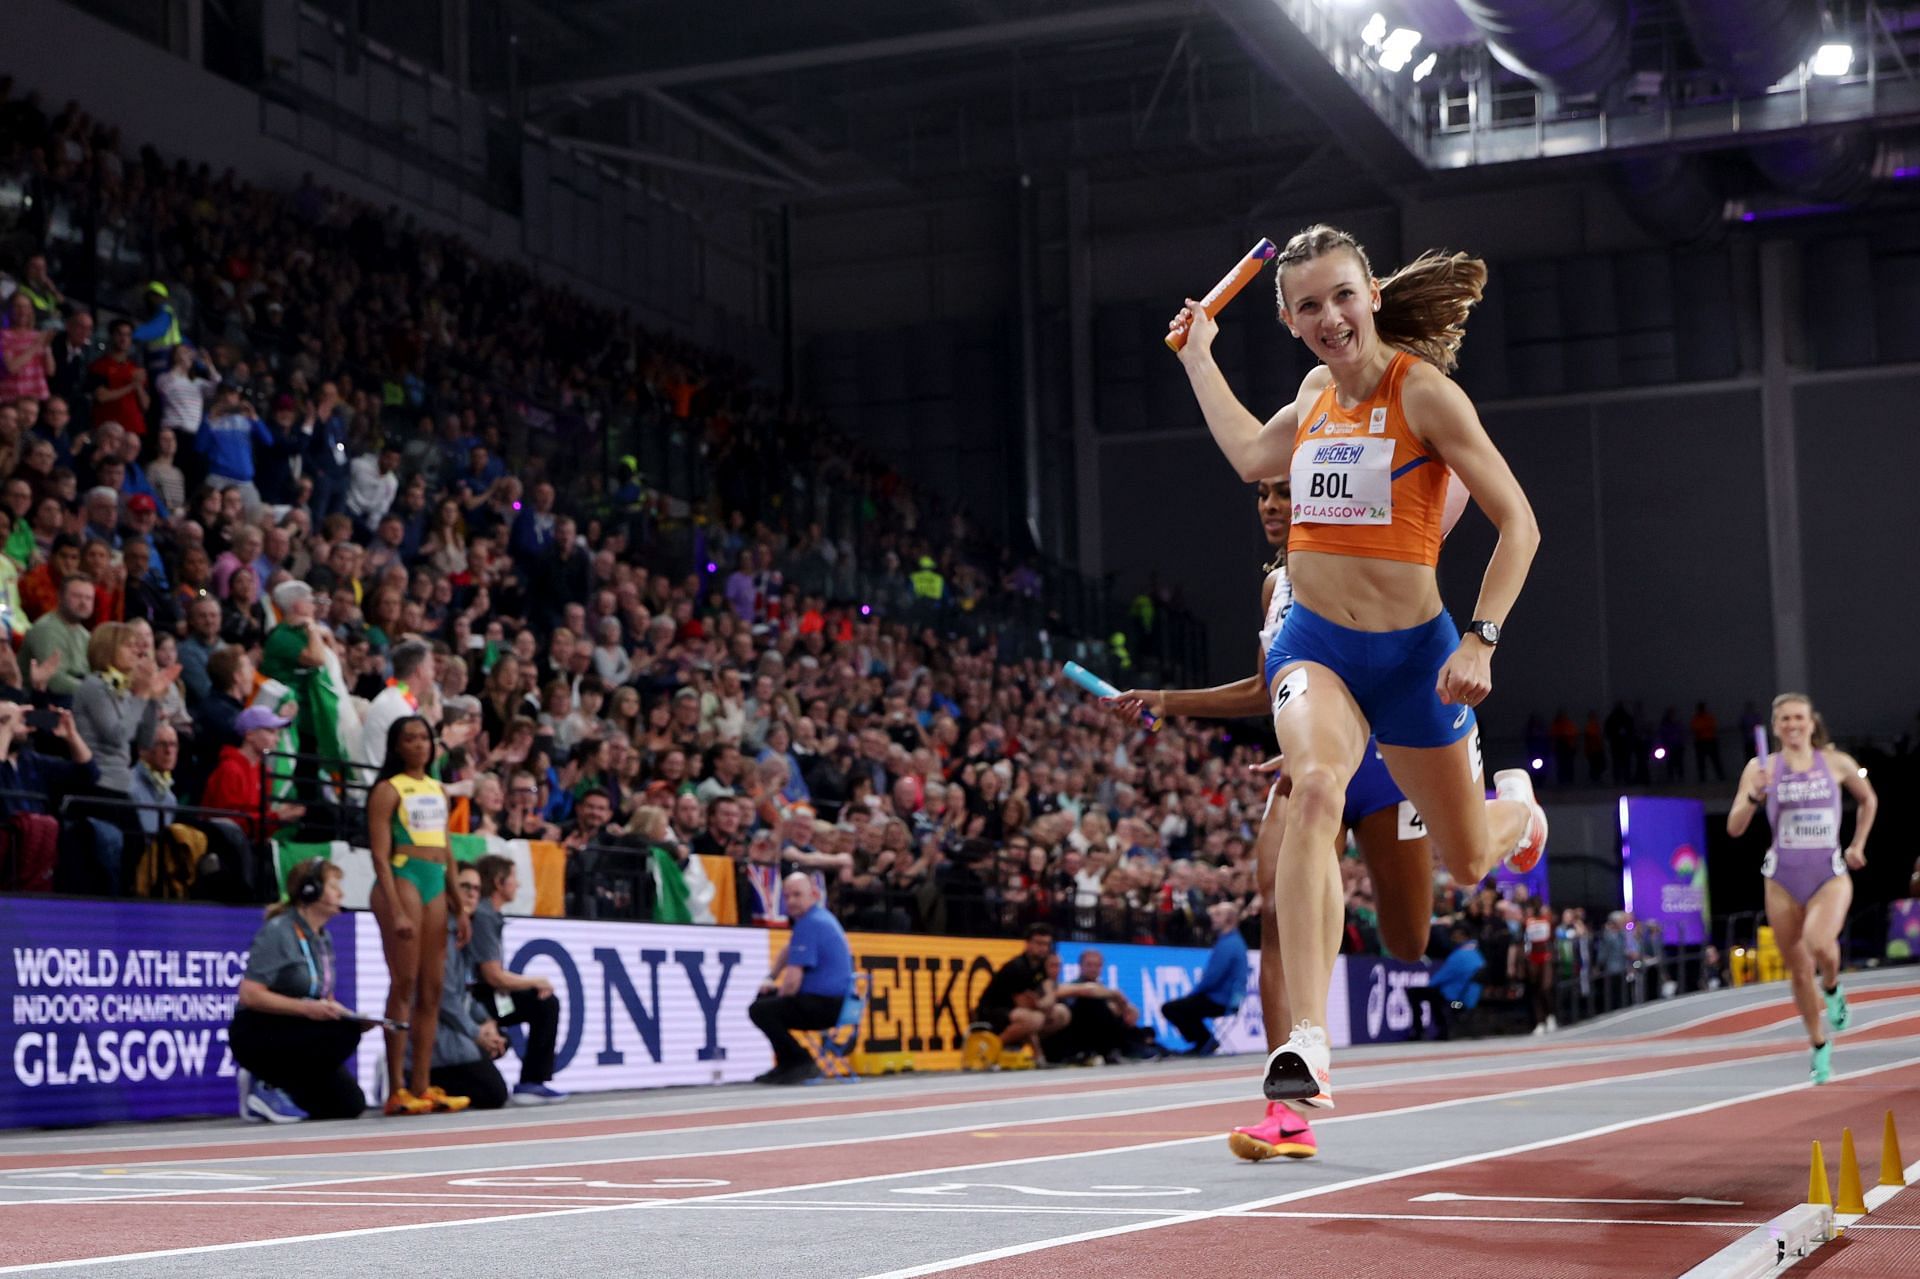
318,467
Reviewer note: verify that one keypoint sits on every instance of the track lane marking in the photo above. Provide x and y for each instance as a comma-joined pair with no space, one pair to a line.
1253,1206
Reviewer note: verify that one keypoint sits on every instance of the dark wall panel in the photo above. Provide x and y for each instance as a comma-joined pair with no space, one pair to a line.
1684,518
1557,631
1858,453
1175,509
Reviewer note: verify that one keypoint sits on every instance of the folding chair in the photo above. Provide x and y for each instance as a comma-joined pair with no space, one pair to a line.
832,1049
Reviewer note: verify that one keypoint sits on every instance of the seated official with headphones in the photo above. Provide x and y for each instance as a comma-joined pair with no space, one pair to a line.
293,1041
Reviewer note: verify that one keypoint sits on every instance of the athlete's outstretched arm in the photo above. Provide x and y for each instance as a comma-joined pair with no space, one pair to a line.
1445,419
1242,699
1256,450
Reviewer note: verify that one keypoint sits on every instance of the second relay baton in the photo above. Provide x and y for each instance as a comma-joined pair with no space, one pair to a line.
1100,688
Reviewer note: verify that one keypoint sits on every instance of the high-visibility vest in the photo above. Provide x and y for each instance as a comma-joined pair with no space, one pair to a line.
928,584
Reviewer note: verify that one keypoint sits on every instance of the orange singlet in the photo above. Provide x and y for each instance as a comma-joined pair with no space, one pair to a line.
1362,483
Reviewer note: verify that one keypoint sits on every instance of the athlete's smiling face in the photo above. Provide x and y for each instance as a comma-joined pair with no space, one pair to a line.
1793,723
1328,302
1276,508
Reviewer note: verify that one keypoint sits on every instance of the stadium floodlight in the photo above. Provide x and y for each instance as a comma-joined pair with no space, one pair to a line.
1375,31
1397,49
1833,59
1425,66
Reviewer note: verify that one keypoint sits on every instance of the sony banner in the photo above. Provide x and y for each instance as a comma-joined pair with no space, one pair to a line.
641,1005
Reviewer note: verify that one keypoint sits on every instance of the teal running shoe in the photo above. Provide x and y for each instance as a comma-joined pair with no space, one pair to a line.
1837,1015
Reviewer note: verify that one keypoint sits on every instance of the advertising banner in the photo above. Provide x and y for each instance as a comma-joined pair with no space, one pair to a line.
1903,928
921,990
119,1010
1153,975
1376,998
1663,864
641,1005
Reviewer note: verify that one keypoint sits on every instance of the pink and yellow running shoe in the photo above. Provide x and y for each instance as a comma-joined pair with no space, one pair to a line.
1282,1132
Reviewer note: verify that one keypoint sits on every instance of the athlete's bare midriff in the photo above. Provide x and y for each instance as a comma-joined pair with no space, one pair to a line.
1364,594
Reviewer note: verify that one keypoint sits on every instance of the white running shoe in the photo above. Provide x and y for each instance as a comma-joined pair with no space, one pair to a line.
1300,1071
1517,784
244,1078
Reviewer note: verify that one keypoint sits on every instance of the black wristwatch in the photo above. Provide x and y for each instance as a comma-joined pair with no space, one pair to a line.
1487,633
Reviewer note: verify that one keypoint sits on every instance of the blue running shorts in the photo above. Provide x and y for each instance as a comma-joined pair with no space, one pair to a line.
1391,674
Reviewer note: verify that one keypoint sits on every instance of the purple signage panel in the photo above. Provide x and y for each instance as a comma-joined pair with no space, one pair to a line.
1534,881
116,1010
1377,1007
1903,928
1663,864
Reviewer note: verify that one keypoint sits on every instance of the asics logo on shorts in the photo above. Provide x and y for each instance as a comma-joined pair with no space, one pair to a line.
1461,718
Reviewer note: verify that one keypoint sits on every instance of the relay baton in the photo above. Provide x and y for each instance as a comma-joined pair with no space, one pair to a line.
1760,744
1222,293
1100,688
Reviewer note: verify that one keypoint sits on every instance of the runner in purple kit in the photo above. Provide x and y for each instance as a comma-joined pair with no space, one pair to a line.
1808,887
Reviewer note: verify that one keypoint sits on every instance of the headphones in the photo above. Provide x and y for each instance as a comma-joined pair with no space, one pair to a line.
312,880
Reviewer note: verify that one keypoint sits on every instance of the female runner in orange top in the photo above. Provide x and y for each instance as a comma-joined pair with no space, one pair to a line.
1370,443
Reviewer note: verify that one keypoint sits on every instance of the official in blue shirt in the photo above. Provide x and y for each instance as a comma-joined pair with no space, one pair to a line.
1222,985
809,983
1455,981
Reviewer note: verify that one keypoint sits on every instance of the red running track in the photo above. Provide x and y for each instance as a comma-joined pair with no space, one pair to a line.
1753,1153
361,1202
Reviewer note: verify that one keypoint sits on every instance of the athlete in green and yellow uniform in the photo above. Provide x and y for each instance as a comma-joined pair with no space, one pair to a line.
407,827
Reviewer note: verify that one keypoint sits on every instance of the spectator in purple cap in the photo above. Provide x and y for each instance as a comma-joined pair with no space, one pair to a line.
235,784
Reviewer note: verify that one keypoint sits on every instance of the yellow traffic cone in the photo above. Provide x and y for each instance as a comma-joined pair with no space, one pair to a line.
1851,1200
1893,1172
1817,1192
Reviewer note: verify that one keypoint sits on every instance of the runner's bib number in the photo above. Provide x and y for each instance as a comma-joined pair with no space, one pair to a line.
426,814
1343,482
1802,828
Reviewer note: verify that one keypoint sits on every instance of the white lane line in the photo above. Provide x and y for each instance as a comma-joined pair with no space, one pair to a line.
1414,1075
1732,1000
846,1181
743,1099
1449,1197
179,1196
1449,1217
1253,1205
988,1125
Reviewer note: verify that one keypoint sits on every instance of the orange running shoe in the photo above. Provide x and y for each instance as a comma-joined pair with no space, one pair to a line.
405,1103
437,1099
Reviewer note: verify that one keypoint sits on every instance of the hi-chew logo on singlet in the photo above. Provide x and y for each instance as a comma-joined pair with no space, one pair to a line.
1344,482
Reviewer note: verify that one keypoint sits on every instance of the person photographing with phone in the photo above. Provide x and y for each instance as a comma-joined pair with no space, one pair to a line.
292,1039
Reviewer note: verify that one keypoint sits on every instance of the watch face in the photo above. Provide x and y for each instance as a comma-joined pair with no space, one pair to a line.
1488,631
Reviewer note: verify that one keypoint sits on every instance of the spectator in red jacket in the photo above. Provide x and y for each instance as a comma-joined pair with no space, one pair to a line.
235,784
